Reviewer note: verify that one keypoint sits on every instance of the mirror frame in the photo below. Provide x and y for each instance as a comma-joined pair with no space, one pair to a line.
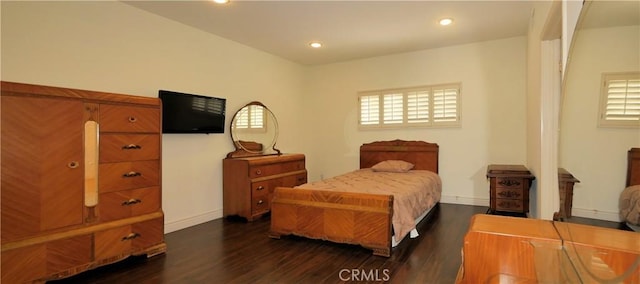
252,148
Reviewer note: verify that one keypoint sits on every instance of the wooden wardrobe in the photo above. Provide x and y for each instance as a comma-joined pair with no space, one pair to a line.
80,180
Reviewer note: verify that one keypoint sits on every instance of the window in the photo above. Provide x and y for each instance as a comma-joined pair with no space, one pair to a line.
250,119
620,100
434,106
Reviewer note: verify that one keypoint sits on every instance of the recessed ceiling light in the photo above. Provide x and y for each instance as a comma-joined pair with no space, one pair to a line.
221,1
446,21
315,44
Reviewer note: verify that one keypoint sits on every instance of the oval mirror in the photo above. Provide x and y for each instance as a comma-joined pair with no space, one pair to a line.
254,131
606,42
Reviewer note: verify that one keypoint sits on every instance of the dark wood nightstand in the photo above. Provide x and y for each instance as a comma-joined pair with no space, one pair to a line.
565,186
509,188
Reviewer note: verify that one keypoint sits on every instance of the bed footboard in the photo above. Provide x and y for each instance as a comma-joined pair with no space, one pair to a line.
352,218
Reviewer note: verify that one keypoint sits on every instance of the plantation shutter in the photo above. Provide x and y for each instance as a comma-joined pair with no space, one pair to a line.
423,106
392,108
256,117
418,107
620,100
623,100
251,118
445,104
369,110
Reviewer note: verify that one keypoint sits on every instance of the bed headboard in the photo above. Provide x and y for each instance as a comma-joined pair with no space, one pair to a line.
422,154
633,167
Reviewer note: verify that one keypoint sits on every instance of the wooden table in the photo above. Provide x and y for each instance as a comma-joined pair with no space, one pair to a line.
501,249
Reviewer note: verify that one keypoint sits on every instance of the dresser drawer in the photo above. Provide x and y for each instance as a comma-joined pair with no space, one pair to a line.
509,183
509,193
125,240
274,169
118,118
129,147
294,180
128,175
127,203
260,204
511,205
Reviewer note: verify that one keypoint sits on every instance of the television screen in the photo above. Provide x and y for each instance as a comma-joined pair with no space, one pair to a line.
189,113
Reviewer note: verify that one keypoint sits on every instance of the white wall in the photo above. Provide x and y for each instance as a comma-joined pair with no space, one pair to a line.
113,47
594,155
493,111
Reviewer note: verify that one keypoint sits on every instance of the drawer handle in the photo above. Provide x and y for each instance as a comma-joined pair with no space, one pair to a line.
260,187
131,147
130,237
258,172
133,119
73,164
131,202
509,182
260,202
131,174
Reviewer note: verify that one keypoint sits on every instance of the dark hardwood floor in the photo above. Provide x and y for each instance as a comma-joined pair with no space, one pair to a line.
234,251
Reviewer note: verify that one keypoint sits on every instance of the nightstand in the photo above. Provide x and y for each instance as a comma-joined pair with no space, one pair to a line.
509,188
565,186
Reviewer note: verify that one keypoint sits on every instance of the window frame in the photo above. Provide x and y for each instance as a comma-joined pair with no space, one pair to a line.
406,120
603,120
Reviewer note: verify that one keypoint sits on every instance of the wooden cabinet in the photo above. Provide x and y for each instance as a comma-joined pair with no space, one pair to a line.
509,188
566,181
249,182
63,211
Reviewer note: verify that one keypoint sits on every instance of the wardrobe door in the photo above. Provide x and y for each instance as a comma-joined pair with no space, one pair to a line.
41,165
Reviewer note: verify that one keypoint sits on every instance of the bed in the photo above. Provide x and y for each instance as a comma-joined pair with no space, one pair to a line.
333,210
630,197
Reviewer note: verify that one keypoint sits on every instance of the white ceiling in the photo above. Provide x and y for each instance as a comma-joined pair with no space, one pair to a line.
348,29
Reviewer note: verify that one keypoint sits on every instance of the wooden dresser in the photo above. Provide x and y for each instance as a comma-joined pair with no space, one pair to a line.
509,188
81,180
249,182
502,249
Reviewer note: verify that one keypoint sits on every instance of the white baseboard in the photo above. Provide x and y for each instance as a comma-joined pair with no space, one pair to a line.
192,221
464,200
596,214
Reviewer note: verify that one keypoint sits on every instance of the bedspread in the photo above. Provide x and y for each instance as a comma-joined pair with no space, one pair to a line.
630,205
413,192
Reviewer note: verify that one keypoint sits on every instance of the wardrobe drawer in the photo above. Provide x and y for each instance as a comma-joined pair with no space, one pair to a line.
125,240
128,175
127,203
129,147
44,260
274,169
119,118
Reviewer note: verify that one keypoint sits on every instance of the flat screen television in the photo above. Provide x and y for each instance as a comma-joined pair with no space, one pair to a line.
190,113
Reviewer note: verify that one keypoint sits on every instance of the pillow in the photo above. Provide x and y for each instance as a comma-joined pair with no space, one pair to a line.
392,166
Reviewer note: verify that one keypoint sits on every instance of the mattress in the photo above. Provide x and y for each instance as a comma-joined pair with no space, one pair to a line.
415,192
